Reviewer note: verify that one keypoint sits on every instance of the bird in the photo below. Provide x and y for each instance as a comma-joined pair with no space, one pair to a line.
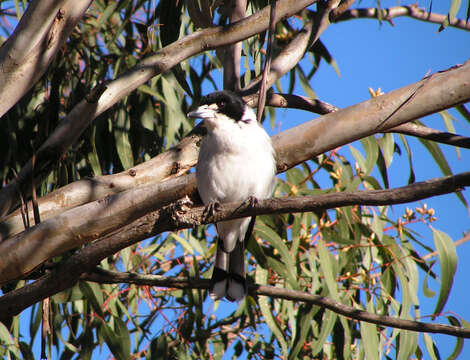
236,163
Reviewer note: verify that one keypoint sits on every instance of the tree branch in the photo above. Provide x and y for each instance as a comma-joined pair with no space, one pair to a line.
181,215
232,53
321,107
41,32
172,163
163,60
267,63
424,132
110,277
412,11
292,147
375,115
300,102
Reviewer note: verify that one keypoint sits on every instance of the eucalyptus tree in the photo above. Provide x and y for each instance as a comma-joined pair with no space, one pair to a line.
104,239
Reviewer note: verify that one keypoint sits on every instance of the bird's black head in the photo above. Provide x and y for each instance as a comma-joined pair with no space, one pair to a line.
223,102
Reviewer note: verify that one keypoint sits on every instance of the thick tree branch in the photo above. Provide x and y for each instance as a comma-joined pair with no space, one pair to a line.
292,147
172,163
375,115
85,223
84,112
412,11
321,107
182,215
41,32
110,277
232,53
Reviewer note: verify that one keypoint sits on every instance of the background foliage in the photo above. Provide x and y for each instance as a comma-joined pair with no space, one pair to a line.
365,257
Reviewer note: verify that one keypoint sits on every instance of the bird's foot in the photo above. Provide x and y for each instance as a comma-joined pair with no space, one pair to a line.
211,209
252,201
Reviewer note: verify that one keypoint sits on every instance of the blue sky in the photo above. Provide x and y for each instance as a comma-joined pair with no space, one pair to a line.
370,54
376,55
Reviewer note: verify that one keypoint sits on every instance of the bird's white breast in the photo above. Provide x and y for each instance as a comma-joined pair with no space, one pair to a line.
236,161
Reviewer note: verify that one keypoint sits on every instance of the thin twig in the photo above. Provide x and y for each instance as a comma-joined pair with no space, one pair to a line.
182,214
412,11
267,64
24,204
110,277
424,132
37,217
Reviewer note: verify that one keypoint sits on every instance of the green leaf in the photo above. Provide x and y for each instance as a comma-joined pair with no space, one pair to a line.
327,324
275,240
122,332
121,135
329,268
454,9
372,152
262,278
436,152
93,294
113,340
461,108
407,344
320,49
304,322
7,343
426,290
359,158
458,341
387,145
182,241
431,347
369,336
305,84
411,177
447,254
448,122
106,14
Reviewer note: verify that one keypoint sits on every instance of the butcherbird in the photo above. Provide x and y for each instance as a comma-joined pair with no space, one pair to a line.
236,163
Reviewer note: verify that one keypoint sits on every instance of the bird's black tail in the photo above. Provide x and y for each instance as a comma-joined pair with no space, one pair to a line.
228,278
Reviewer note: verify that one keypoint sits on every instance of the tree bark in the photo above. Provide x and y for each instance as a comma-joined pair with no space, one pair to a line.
41,32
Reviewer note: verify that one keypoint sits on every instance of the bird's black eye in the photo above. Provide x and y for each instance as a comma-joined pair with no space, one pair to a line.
221,104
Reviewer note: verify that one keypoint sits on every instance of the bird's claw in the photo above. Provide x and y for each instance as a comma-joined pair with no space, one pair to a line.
211,209
252,201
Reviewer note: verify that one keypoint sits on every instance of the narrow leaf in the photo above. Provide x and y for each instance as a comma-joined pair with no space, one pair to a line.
261,278
447,254
458,341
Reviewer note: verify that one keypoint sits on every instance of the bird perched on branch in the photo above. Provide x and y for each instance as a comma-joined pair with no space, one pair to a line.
236,163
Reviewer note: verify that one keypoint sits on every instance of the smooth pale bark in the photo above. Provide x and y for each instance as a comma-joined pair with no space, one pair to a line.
106,95
41,32
180,216
82,224
171,163
434,93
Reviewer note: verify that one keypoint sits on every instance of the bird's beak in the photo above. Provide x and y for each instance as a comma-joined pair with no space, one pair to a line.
203,112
